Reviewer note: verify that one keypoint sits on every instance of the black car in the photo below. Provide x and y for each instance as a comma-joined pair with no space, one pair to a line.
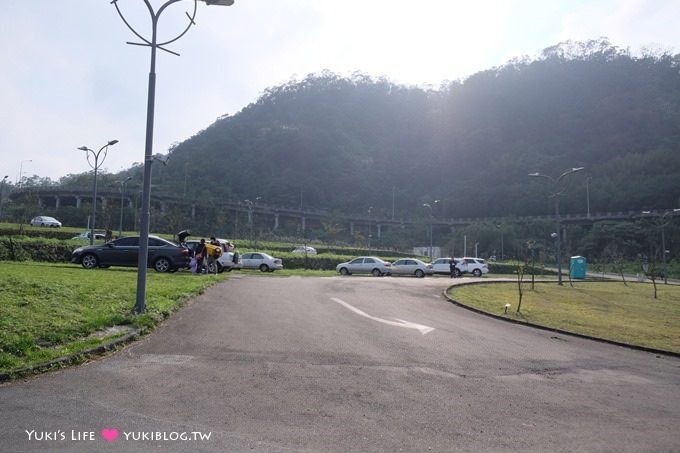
164,256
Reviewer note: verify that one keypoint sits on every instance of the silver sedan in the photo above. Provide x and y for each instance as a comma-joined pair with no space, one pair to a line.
411,266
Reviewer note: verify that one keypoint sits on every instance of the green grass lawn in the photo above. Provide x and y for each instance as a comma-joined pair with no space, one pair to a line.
48,311
610,310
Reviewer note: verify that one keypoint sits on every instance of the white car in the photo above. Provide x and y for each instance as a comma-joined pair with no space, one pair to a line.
45,221
86,235
411,266
308,250
365,265
442,266
474,266
466,265
261,261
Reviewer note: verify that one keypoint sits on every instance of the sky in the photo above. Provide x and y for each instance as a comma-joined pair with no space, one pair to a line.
69,79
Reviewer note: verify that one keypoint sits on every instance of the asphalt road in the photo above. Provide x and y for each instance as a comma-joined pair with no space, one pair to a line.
348,364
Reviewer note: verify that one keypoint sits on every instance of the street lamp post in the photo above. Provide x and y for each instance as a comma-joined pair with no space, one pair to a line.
556,195
95,166
2,193
21,171
153,44
429,207
370,211
122,195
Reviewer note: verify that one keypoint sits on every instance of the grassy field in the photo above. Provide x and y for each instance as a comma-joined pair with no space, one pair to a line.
610,310
50,310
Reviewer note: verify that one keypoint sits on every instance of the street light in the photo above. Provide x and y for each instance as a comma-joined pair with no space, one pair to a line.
556,195
104,149
429,206
140,305
122,194
2,193
21,171
671,212
370,210
251,217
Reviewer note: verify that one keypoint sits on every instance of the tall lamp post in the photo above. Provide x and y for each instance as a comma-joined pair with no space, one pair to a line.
370,211
122,195
251,216
140,304
429,207
94,156
2,193
557,193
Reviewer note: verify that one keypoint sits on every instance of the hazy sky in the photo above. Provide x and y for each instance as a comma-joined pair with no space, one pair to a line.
69,79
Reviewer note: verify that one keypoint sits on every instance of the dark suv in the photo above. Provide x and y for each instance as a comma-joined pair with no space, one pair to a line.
164,256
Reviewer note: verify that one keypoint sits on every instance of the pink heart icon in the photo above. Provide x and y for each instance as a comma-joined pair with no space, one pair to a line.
109,434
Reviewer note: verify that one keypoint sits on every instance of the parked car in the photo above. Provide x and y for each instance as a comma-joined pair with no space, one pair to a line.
226,262
474,266
261,261
85,235
163,255
308,250
411,266
365,265
45,221
467,265
442,266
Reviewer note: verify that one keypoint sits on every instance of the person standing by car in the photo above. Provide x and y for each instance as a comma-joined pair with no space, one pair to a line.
452,268
200,253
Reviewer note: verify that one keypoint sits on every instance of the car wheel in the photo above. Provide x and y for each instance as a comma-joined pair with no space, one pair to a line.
477,272
344,271
264,268
376,273
212,269
220,268
420,273
162,265
89,261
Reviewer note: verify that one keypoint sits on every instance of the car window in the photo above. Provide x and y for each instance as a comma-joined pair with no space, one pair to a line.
357,261
156,242
127,242
256,256
368,260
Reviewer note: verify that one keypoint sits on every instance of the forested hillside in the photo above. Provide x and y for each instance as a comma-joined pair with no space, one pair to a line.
344,144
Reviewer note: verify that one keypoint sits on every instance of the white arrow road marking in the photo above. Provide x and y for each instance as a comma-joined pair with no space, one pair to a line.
399,322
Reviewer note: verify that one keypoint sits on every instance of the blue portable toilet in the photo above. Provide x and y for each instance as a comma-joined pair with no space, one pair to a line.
577,268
